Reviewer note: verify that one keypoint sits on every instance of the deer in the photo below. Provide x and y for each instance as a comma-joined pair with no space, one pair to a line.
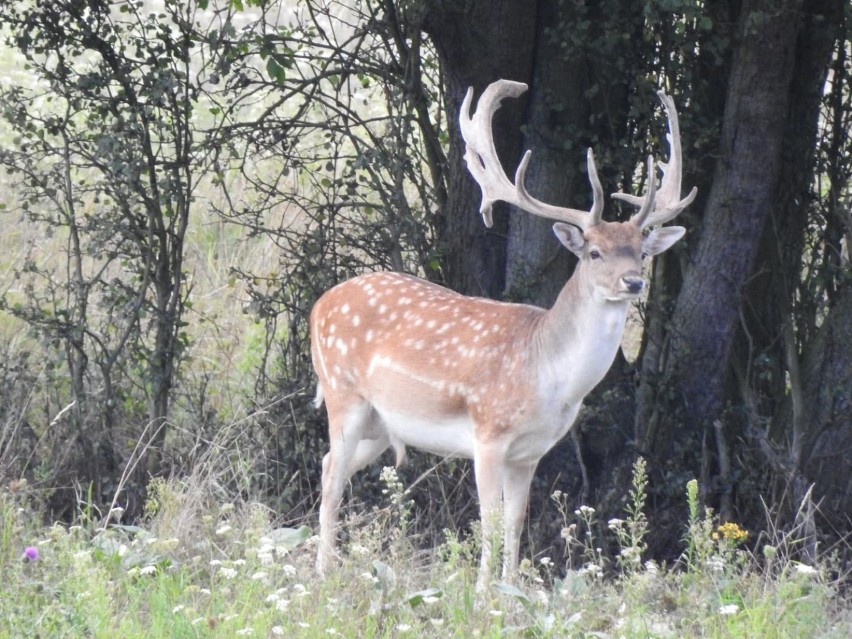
403,362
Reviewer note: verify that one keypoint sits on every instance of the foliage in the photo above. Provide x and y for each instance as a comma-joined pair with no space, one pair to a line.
108,149
233,573
184,179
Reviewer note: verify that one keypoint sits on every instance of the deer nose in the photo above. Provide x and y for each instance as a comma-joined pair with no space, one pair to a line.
633,282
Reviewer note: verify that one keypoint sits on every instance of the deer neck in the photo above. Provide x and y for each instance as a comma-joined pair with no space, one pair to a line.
578,339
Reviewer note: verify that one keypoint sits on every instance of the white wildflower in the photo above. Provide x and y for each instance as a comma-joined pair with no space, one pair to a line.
258,576
177,609
568,533
282,604
592,570
716,564
804,569
278,631
546,562
223,530
228,573
282,551
729,609
289,570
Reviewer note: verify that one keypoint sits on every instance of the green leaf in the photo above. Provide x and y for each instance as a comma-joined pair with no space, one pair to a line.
275,70
513,591
290,538
414,599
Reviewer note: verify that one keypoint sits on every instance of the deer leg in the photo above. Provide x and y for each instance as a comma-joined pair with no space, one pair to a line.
516,493
346,427
366,452
488,470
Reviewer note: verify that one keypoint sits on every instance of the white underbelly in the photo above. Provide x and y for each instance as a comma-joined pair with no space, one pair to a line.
449,436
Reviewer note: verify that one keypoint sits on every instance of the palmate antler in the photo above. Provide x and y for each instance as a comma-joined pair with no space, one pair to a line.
484,165
655,207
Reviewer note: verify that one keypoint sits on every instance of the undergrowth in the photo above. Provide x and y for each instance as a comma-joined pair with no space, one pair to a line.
195,568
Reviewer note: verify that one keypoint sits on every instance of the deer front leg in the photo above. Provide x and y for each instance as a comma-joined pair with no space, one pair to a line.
516,493
488,470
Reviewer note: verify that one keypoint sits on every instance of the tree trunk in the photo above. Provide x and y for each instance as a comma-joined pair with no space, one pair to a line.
759,356
578,99
478,42
823,444
692,395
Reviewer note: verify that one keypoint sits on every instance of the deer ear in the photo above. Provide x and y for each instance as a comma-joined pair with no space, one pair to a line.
661,239
571,237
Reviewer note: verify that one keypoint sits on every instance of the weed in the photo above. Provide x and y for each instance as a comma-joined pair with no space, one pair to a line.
201,568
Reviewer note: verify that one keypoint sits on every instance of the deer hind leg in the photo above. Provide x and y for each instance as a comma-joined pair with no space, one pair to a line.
356,438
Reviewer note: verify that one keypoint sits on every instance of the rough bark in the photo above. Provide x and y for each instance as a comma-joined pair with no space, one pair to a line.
824,444
759,356
693,393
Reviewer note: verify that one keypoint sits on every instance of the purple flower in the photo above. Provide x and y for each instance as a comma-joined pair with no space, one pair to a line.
30,553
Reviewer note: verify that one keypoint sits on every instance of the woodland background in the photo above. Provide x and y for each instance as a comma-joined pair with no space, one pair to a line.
182,180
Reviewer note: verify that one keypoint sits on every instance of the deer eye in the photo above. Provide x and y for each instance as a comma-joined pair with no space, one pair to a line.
595,254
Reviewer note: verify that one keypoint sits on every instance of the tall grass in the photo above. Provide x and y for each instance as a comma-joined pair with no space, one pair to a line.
198,567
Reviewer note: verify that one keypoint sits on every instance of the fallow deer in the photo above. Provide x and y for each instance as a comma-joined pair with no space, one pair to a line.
405,362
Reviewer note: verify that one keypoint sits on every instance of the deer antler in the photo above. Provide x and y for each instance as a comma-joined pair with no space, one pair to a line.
666,204
484,165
